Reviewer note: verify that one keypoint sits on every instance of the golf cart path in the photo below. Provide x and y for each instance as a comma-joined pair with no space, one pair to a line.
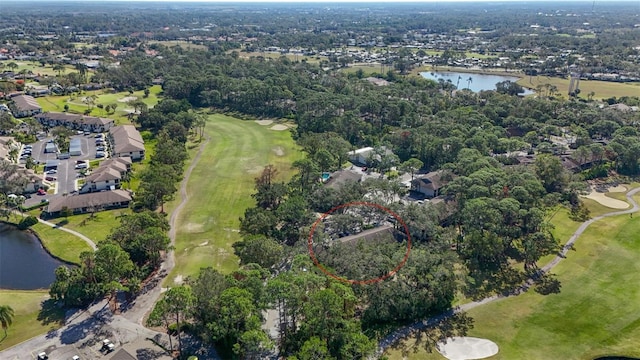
144,303
72,232
406,331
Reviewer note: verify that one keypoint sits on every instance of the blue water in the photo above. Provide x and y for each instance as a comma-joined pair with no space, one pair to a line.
479,82
24,264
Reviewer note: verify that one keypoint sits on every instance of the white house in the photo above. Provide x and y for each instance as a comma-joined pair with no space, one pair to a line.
104,178
360,156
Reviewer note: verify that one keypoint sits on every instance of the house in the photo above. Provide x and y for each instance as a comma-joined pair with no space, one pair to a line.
364,156
377,81
75,121
24,106
6,145
25,180
340,177
103,178
430,184
126,141
83,203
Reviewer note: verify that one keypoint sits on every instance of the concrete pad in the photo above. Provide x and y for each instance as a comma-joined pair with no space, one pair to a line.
467,348
607,201
264,122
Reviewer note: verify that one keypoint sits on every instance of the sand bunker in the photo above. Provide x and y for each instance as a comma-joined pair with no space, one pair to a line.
278,127
264,122
467,348
607,201
278,150
127,99
619,188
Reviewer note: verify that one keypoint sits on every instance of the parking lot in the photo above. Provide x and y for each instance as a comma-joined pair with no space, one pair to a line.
65,175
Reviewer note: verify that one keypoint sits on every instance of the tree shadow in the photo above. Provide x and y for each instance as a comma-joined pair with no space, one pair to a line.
50,312
149,354
62,223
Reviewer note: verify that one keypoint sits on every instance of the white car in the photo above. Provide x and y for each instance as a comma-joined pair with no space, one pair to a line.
51,172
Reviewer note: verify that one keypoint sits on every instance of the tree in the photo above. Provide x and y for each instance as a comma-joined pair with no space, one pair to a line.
550,172
260,250
177,304
411,166
59,68
6,317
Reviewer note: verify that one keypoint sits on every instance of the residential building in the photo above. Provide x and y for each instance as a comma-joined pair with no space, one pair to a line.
360,156
75,121
430,184
25,180
92,202
103,178
126,141
24,106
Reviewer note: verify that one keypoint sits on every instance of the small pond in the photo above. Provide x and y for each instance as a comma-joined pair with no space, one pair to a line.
24,264
478,82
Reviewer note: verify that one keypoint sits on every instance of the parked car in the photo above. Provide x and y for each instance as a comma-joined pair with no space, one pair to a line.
51,172
28,146
50,178
87,133
100,148
99,136
42,192
100,154
82,166
43,356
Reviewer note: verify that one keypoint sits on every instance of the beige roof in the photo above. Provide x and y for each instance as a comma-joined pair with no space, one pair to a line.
114,164
75,118
102,198
104,174
126,138
25,103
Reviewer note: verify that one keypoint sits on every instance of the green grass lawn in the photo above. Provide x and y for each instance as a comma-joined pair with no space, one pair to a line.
61,244
26,305
35,67
601,89
95,229
220,190
57,103
597,312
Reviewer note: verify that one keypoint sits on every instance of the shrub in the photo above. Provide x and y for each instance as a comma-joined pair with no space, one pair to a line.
27,222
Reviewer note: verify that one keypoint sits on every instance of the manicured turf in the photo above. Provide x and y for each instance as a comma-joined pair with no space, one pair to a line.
26,305
95,229
597,312
57,103
601,89
35,67
61,244
220,189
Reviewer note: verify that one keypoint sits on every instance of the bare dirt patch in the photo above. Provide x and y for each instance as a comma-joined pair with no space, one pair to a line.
178,279
278,150
264,122
279,127
255,169
194,228
127,99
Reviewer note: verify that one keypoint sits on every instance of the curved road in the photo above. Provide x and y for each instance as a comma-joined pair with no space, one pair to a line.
406,331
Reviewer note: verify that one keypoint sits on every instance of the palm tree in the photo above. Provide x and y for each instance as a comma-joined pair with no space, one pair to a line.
59,68
469,81
6,317
458,82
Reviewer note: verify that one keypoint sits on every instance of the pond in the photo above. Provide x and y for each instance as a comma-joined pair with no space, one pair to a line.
478,82
24,264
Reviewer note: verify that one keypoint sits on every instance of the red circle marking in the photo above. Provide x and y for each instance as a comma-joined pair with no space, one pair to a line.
359,282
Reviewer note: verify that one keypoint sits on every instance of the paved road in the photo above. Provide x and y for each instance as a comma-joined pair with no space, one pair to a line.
406,331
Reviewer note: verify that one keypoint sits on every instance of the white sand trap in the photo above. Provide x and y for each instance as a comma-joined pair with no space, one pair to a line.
264,122
127,99
179,279
619,188
467,348
204,243
607,201
278,127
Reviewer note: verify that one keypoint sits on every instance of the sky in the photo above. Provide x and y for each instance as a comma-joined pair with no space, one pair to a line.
349,1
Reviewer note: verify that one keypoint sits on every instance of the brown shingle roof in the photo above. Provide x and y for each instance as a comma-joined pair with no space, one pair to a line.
87,200
25,103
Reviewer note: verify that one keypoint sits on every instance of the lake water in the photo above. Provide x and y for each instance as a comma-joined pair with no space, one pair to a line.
24,264
478,82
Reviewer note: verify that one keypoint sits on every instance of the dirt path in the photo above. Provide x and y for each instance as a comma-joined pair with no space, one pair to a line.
406,331
145,302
